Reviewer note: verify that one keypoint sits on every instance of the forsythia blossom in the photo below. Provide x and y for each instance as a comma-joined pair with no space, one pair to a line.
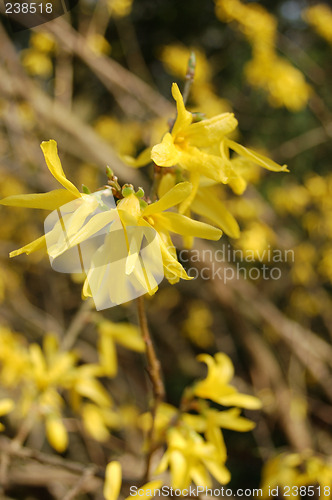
195,445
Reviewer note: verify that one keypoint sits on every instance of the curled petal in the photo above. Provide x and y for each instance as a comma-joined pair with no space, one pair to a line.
53,162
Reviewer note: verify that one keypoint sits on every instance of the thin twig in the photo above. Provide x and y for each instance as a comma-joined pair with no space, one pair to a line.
155,377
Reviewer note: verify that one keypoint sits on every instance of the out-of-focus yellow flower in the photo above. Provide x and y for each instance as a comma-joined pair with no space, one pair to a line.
37,63
44,42
320,17
116,333
113,481
191,458
216,385
284,84
198,323
302,301
303,270
97,421
296,470
56,433
254,21
124,136
175,58
120,8
6,406
255,240
98,44
292,199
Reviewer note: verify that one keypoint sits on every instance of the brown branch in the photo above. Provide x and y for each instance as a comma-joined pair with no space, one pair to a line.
155,377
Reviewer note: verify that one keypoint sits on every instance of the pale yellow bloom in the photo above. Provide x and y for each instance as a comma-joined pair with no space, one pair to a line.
203,149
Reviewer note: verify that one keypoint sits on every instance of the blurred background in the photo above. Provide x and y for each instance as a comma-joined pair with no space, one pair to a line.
98,80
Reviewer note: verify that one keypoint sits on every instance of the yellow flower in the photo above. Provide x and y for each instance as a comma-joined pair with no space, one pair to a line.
6,406
197,325
116,333
216,385
37,63
320,17
284,84
44,42
202,149
191,458
154,220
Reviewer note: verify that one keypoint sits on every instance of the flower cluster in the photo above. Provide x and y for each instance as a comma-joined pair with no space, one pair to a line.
296,470
44,379
284,84
203,153
195,445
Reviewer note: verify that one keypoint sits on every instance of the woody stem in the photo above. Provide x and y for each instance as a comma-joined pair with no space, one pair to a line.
154,372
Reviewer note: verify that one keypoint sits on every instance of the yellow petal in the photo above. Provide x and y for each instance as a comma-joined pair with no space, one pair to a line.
56,433
47,201
179,470
194,179
38,244
185,226
231,419
53,162
184,117
165,154
167,182
113,479
94,422
255,157
241,400
143,159
209,165
107,355
218,471
123,333
207,204
173,197
208,132
171,264
93,390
